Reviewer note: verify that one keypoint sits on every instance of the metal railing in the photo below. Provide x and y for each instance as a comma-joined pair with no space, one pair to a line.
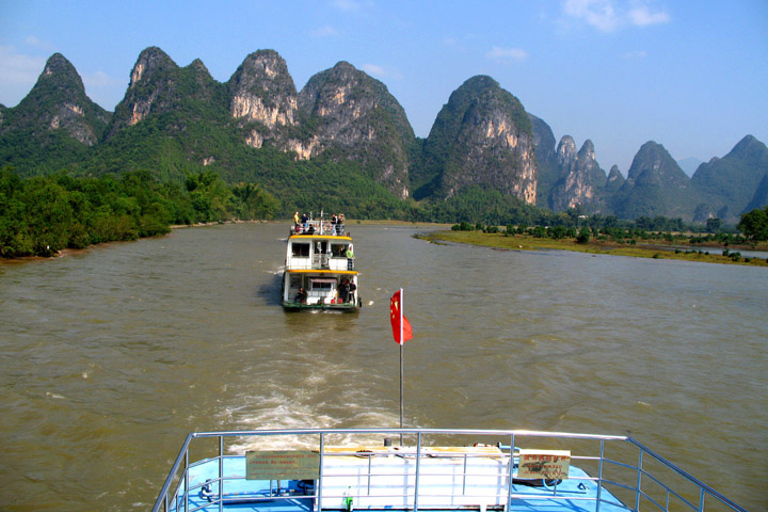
320,262
318,227
623,473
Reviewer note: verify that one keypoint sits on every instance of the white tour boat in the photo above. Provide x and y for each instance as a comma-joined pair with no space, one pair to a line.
320,268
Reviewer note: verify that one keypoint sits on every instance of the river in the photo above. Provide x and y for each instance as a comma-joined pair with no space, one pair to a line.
110,356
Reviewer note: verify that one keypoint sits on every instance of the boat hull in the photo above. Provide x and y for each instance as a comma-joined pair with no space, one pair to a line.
346,308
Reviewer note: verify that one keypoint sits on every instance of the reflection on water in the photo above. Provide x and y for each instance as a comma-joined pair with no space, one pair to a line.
111,356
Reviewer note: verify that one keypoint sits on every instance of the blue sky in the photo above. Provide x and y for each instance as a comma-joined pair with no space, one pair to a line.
692,76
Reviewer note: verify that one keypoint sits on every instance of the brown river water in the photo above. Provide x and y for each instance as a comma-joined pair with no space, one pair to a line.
109,357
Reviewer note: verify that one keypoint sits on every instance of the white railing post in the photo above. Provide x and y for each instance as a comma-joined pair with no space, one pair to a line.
319,490
416,481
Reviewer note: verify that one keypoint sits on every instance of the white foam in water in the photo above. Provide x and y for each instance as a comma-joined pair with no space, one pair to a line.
278,412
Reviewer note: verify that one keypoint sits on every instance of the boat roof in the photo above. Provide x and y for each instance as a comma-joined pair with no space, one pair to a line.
307,236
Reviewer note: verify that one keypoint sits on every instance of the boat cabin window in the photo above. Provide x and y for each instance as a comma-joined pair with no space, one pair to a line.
338,250
322,285
300,250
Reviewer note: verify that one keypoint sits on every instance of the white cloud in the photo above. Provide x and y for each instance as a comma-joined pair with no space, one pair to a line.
18,74
346,5
642,16
41,45
16,68
450,41
381,71
99,79
373,69
352,6
325,31
640,54
515,54
601,14
610,15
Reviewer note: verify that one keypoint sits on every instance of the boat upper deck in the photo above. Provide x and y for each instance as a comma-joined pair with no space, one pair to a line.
318,245
319,228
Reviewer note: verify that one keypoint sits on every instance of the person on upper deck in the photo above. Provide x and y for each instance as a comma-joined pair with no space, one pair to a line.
296,218
350,258
334,223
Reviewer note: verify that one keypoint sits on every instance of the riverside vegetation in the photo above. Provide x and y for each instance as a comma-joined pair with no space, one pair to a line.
622,240
42,215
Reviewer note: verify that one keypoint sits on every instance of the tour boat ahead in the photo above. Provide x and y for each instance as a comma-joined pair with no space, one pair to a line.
320,268
400,470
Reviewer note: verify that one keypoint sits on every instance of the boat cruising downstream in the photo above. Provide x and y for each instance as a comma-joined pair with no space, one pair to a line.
320,268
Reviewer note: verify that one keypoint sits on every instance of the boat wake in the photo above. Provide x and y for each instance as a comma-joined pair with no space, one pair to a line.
280,412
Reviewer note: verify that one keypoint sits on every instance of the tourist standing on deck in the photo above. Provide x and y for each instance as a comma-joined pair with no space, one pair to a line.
350,258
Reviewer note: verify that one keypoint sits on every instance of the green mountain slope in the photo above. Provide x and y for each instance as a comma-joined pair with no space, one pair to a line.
54,125
729,183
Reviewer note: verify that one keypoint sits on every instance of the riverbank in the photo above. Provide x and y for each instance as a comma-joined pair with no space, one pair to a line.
659,249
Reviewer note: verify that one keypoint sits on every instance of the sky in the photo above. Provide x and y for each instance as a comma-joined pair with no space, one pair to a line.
692,76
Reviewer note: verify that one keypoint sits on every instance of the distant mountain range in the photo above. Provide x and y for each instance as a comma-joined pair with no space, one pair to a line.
345,136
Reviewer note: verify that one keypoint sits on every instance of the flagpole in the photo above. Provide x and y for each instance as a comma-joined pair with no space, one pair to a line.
402,342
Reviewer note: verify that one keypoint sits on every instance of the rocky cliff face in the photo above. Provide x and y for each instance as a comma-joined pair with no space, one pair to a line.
158,86
546,160
58,102
263,97
582,178
483,137
356,116
615,180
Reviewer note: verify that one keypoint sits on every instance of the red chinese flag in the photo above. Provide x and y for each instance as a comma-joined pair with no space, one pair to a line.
395,317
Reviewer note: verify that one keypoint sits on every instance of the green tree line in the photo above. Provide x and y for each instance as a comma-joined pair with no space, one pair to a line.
42,215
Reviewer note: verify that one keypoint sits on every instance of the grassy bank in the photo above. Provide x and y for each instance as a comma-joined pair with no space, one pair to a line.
658,250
